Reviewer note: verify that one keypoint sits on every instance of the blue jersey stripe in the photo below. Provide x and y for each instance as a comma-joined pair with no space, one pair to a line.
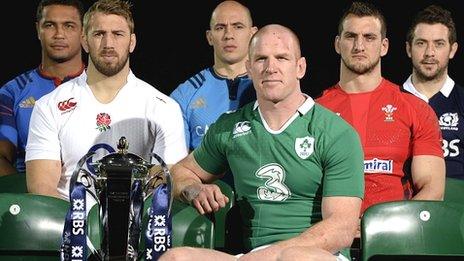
203,79
21,82
193,83
28,76
197,80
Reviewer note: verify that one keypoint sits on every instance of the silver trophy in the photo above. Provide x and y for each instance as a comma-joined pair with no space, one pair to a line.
121,184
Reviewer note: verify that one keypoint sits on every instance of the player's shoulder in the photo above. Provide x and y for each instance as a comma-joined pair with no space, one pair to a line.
197,81
322,111
327,95
65,92
412,101
329,127
396,92
152,93
459,89
453,101
409,104
22,81
245,113
201,83
390,87
231,123
327,120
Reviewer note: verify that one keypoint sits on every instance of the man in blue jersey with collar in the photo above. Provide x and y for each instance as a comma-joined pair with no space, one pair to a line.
224,87
59,28
431,43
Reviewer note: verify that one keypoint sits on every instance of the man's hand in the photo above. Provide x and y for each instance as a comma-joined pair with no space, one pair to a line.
206,198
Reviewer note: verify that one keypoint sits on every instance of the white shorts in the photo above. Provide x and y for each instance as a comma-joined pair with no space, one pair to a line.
339,255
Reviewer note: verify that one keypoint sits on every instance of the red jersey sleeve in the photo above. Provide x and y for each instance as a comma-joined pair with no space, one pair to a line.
426,139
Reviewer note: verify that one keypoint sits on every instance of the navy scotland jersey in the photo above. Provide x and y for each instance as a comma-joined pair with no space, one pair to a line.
450,113
448,105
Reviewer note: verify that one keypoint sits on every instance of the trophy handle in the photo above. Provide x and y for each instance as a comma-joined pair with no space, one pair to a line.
87,175
167,173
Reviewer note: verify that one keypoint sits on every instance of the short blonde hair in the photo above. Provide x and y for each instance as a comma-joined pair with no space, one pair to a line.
116,7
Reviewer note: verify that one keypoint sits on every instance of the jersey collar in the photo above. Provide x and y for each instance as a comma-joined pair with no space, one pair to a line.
445,90
217,76
57,81
303,109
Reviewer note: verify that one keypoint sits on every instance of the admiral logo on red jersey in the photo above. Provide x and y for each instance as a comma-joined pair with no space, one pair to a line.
376,165
67,105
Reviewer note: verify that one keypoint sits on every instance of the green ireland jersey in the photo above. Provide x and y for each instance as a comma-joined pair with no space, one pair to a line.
281,176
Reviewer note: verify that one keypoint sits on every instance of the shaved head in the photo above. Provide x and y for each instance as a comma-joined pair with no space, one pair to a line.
275,29
226,6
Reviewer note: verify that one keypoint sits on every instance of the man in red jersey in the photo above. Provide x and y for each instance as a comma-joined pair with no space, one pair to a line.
400,135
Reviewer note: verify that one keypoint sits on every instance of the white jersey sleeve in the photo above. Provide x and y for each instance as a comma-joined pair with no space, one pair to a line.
42,140
170,138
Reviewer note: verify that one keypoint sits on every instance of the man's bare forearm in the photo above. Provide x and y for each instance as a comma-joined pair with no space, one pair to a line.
184,183
429,193
428,175
7,158
43,177
44,190
6,168
329,234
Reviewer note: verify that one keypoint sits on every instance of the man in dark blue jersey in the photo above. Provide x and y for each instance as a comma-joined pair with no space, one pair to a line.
59,28
431,43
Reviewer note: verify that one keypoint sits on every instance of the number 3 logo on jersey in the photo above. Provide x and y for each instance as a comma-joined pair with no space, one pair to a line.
274,188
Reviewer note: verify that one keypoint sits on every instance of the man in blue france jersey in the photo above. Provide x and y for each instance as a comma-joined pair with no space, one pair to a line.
59,27
431,43
224,87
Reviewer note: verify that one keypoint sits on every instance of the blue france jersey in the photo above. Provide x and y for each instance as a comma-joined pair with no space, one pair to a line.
450,112
17,99
205,96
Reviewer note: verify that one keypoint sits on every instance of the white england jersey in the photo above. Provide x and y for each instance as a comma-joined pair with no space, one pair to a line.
69,122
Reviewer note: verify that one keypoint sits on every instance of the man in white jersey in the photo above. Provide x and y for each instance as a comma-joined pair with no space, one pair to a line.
91,112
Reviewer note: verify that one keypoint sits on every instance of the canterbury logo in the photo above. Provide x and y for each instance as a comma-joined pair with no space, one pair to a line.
241,128
67,105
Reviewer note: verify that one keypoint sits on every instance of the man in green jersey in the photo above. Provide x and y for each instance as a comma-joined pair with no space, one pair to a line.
298,168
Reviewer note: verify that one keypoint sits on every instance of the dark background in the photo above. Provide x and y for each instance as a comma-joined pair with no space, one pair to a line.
171,44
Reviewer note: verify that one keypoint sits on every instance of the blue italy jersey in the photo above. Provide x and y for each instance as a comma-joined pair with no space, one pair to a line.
205,96
450,112
17,99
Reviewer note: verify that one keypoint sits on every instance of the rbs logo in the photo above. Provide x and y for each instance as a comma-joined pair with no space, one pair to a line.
451,148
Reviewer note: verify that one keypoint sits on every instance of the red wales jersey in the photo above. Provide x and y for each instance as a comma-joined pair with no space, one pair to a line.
393,126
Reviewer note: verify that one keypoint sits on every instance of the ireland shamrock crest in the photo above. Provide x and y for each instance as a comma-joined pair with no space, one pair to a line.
103,122
304,147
